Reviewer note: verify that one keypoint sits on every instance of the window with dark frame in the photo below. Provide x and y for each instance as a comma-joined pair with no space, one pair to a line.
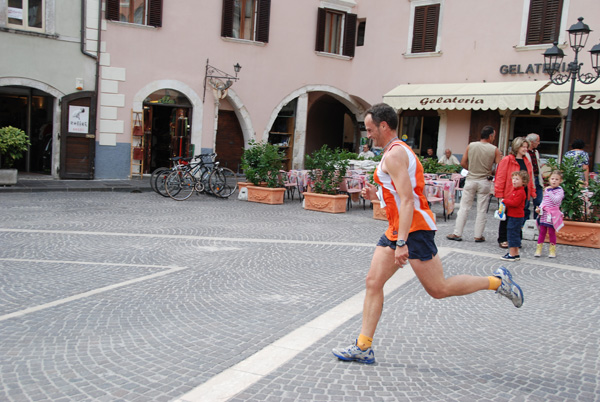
425,29
246,19
336,32
141,12
543,25
360,33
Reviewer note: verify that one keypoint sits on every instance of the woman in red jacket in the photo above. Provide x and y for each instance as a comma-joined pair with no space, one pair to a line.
513,162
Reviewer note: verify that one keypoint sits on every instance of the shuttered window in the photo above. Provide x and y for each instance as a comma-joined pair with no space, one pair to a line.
543,25
425,30
336,32
142,12
246,19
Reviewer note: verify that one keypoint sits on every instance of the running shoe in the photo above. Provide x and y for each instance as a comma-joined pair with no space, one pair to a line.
508,257
354,353
508,288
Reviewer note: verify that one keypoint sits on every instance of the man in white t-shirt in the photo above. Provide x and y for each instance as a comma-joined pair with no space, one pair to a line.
448,158
366,152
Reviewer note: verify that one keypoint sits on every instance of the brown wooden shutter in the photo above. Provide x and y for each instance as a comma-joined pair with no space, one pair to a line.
155,13
320,42
425,28
543,25
227,19
262,25
350,35
112,10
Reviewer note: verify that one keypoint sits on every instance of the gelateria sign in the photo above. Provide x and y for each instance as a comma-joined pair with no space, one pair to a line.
533,68
472,100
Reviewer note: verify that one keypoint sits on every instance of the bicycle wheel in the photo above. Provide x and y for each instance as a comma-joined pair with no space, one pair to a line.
155,173
180,185
222,182
160,180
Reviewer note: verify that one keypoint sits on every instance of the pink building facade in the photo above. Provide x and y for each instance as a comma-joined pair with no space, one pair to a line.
310,69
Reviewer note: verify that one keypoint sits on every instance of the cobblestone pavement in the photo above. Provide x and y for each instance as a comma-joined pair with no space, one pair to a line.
129,296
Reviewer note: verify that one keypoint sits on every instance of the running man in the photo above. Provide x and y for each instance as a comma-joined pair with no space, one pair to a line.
409,237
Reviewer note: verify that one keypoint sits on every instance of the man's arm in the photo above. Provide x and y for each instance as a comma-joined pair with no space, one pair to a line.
465,159
396,164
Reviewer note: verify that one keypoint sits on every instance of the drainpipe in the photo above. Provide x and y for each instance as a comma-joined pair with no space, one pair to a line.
83,28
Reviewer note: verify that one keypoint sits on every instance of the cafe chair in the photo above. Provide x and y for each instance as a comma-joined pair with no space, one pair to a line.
432,192
291,185
456,177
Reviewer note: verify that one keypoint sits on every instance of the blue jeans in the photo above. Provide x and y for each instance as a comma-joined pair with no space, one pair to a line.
513,231
539,196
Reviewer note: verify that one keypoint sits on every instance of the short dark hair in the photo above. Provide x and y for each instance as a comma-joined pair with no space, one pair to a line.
486,132
578,144
383,112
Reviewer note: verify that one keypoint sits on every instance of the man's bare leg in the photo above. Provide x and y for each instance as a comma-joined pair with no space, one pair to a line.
431,275
382,269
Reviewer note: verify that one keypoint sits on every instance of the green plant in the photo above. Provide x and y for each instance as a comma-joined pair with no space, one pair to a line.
13,143
262,162
431,165
594,188
572,205
327,169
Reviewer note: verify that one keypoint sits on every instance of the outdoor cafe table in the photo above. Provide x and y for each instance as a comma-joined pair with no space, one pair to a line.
439,188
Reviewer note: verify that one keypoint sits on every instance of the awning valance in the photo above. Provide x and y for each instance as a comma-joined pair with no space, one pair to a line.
466,96
587,96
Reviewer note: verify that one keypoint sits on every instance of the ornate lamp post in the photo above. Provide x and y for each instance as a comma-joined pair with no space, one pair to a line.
578,35
218,79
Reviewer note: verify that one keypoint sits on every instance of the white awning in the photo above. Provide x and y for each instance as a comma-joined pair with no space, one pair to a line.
466,96
557,96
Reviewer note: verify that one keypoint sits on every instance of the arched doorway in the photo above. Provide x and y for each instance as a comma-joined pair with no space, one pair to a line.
229,144
32,111
329,122
167,128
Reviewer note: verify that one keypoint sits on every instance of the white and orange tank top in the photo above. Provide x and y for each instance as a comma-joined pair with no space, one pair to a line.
423,218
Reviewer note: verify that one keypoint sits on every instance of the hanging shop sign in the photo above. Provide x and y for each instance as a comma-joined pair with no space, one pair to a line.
79,118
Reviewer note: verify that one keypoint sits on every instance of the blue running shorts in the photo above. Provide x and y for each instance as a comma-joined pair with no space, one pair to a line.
421,245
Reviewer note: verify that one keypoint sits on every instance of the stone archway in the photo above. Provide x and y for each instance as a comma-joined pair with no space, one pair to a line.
302,94
195,99
56,114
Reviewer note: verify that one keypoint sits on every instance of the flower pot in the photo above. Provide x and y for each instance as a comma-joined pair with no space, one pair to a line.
8,177
378,212
334,204
266,195
584,234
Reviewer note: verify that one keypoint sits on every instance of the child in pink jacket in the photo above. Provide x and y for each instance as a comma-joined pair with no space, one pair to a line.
550,219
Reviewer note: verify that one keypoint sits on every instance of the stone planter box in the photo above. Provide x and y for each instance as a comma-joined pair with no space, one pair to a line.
378,212
266,195
334,204
582,234
8,177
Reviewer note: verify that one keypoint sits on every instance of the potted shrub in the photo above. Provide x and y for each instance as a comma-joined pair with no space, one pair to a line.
262,163
327,170
580,228
13,143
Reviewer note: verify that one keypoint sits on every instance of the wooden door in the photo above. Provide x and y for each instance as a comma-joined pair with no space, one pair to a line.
230,140
78,136
584,126
482,118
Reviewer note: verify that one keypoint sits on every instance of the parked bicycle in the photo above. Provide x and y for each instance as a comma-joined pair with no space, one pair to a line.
196,174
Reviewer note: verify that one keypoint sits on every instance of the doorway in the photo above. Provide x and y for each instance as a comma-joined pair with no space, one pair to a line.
167,124
30,110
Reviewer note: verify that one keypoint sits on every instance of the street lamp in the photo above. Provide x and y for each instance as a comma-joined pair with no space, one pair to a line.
578,35
219,79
